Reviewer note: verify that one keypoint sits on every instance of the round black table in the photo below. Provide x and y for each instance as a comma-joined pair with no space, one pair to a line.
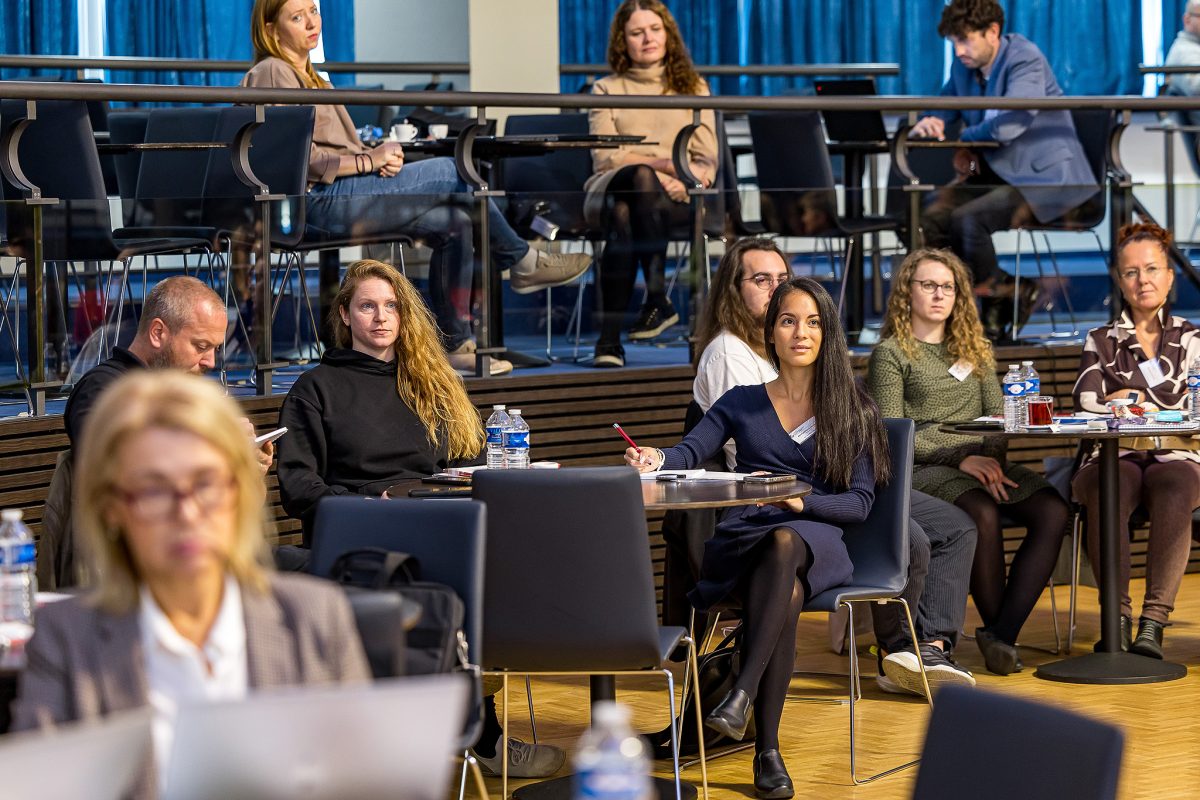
684,495
1110,664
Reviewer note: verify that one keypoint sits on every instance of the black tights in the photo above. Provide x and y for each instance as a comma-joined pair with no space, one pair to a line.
638,216
772,597
1005,605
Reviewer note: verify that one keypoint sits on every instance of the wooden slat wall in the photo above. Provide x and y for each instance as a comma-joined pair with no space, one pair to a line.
570,414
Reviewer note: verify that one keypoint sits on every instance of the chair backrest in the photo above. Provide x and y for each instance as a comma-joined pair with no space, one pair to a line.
933,165
58,154
129,127
447,538
715,205
279,158
795,174
1093,127
569,581
555,178
172,182
1025,749
367,115
878,545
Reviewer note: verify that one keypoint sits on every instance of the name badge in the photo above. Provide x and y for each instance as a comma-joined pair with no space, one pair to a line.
1152,372
962,370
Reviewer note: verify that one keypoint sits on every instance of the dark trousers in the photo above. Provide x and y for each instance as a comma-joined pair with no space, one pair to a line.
963,217
941,550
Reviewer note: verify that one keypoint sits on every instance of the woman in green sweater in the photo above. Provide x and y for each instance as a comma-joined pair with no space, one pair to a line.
934,365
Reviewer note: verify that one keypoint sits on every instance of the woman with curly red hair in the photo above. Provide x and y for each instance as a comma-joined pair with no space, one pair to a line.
634,193
1145,353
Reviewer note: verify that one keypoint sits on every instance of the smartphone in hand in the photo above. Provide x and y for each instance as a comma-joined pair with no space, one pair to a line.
259,441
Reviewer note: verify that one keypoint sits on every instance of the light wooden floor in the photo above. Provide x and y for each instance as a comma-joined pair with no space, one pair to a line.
1161,721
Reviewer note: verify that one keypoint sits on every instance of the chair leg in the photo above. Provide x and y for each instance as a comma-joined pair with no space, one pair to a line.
1076,542
1058,646
695,668
529,699
674,733
504,743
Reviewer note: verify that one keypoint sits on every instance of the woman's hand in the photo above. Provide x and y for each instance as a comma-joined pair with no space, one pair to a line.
388,158
647,460
674,188
794,504
988,471
663,165
1123,394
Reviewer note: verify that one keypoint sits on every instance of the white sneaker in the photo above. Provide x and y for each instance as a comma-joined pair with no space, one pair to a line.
524,760
899,673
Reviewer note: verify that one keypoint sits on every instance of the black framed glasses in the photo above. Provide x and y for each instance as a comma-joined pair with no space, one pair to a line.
929,287
764,280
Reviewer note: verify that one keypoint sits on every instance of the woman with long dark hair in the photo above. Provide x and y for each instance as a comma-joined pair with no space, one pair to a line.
935,365
814,423
634,193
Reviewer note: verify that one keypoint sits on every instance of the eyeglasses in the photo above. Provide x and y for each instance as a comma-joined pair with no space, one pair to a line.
929,287
161,501
1149,273
764,280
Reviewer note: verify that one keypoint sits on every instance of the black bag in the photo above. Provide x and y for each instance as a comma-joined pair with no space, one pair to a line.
436,643
718,670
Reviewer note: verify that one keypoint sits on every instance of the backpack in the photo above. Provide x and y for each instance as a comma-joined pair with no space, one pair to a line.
436,643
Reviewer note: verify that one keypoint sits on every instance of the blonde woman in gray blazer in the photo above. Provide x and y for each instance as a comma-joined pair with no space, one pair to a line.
181,609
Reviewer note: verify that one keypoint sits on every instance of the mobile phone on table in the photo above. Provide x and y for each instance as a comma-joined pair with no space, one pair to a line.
671,476
441,491
775,478
269,437
442,479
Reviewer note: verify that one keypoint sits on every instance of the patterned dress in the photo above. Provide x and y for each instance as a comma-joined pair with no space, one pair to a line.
923,389
745,414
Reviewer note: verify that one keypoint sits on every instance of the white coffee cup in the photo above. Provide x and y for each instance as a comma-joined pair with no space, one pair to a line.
439,131
404,132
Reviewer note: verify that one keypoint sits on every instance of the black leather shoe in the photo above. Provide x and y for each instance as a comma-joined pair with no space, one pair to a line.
999,656
731,716
1148,641
771,779
1126,635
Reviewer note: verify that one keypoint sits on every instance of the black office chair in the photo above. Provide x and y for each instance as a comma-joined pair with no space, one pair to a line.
1004,747
797,185
129,127
447,538
570,591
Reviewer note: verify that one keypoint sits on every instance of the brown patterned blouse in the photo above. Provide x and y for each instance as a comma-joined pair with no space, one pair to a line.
1110,360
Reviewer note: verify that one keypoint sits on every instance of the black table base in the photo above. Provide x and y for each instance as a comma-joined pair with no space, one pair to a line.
1111,668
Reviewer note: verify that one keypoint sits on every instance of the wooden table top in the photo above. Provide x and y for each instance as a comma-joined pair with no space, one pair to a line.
682,495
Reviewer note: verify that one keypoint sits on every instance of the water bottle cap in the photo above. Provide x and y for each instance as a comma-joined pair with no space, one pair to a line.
1027,363
11,514
1014,366
498,407
609,713
516,412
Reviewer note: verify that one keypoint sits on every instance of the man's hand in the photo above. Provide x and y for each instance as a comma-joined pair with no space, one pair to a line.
929,128
265,452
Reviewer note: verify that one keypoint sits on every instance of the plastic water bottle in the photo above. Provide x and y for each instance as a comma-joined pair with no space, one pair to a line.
1033,388
1014,395
18,586
611,762
1193,384
495,437
516,442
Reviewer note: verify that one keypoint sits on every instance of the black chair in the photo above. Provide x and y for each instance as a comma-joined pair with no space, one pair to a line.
129,127
797,184
448,540
1094,128
1004,747
368,115
878,548
570,591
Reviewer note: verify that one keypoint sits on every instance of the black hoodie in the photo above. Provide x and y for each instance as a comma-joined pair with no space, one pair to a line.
349,433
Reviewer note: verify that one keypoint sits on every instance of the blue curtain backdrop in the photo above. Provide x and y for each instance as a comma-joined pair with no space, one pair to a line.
1094,45
216,29
37,27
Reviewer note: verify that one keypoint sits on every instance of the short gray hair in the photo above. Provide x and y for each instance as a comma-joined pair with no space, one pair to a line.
175,301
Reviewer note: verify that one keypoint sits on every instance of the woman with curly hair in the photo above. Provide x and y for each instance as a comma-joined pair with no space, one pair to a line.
634,193
935,365
1146,353
382,406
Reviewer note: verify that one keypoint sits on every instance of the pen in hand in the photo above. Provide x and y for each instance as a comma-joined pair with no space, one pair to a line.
632,443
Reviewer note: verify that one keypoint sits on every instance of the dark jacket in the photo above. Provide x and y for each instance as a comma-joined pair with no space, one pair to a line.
91,385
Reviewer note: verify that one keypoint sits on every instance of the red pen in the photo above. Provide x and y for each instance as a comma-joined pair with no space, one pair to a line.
625,436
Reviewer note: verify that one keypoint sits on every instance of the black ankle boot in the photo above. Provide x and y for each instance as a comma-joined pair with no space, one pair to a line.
999,656
1148,641
771,779
731,716
1126,635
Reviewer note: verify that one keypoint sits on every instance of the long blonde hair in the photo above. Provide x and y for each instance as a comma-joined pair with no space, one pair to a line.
175,401
266,12
425,380
964,338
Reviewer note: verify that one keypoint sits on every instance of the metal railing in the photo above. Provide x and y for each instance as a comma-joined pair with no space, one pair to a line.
760,70
214,65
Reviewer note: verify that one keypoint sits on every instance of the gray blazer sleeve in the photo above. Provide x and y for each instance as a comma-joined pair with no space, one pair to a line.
45,695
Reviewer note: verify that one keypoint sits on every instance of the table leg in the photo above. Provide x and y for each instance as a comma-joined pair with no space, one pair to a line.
603,688
1110,665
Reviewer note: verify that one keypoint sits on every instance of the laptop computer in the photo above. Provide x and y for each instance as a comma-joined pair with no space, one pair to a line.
391,739
851,126
99,760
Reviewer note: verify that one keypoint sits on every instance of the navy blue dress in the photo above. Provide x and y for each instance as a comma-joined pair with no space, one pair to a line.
745,414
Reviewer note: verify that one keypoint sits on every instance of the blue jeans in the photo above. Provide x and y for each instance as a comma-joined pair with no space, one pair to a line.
427,200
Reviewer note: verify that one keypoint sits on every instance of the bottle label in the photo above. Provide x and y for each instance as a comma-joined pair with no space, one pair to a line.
16,555
1033,387
495,435
1014,389
1194,381
517,439
610,785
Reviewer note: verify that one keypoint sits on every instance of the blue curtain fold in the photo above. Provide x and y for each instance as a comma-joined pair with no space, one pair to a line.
213,29
38,27
1099,57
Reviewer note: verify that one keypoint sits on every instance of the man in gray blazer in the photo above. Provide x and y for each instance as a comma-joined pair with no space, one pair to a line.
1037,173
